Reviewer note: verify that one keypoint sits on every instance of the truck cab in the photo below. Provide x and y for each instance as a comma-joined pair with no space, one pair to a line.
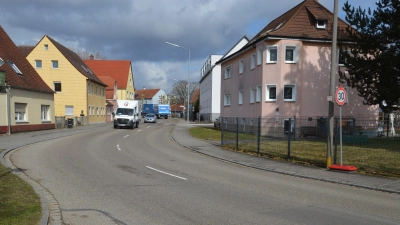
127,114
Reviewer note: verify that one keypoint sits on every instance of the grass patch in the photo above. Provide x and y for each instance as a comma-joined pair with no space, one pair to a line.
19,204
380,156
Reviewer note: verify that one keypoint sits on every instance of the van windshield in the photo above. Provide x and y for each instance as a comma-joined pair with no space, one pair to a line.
122,111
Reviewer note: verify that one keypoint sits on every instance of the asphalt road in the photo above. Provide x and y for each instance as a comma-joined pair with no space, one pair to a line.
140,176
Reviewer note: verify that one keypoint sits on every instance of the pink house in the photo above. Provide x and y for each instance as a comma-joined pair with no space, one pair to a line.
284,71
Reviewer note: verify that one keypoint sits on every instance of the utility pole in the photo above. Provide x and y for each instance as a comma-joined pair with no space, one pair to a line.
329,149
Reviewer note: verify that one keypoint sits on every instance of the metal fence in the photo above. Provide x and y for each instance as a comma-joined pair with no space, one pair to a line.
62,121
304,140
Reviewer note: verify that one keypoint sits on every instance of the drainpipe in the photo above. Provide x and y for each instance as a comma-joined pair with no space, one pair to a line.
8,88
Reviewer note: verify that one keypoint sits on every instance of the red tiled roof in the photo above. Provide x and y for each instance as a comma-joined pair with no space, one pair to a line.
117,69
176,108
29,79
110,82
26,49
76,61
195,96
147,93
299,22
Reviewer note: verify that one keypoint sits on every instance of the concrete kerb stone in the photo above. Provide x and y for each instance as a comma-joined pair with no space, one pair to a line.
174,135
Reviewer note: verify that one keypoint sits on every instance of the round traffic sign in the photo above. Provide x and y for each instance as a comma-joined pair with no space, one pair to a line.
340,95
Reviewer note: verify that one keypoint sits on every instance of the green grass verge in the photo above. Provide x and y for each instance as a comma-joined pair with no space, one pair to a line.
19,203
380,156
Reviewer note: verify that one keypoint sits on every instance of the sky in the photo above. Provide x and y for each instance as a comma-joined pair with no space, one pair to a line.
137,30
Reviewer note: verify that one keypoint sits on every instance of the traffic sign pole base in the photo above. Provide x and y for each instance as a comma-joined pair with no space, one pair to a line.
342,167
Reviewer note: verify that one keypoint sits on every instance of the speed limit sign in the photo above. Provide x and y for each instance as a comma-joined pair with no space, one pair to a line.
340,95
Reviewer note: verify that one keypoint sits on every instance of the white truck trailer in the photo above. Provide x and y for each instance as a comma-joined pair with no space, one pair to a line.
127,114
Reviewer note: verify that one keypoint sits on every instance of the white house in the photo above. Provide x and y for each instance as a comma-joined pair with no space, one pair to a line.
210,83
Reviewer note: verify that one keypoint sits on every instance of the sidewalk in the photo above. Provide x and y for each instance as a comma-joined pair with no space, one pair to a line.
182,137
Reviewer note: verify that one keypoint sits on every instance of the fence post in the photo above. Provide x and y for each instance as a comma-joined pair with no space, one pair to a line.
294,126
221,125
258,135
387,130
336,134
289,134
237,133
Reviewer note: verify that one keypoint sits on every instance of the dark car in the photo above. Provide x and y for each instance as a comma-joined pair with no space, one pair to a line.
217,122
150,118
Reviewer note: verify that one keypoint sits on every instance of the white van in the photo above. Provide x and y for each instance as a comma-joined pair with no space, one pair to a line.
127,114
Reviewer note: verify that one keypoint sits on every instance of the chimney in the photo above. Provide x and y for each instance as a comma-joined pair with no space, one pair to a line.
91,57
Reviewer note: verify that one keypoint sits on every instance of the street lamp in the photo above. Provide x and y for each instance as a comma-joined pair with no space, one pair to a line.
187,111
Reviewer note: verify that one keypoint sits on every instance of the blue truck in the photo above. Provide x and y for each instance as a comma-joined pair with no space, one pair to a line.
149,108
163,111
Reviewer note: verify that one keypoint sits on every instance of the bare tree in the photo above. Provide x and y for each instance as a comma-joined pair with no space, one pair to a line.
85,54
179,90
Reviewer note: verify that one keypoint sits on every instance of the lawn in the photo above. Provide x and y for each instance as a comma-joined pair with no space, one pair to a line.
19,204
380,156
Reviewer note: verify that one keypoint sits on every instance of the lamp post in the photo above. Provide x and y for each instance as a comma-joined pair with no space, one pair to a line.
187,110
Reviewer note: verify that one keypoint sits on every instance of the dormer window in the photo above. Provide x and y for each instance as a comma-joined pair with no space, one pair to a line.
321,24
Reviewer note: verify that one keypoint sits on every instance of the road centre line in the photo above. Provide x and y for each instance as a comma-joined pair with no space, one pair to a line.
166,173
126,136
118,147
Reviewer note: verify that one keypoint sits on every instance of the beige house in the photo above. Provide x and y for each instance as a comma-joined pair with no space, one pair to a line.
284,71
79,92
23,94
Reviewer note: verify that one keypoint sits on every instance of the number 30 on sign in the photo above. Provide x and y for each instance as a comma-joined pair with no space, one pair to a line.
340,95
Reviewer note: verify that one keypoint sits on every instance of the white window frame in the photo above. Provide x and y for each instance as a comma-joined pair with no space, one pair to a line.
46,47
53,63
69,110
259,56
293,86
241,66
240,97
37,62
252,95
15,68
267,93
20,112
320,26
295,52
253,61
89,111
268,53
54,86
227,99
228,72
258,93
45,112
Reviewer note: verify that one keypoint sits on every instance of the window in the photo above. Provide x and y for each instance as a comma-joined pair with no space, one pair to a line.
259,56
92,110
46,47
272,54
291,54
38,64
57,87
241,66
258,94
240,97
54,64
96,90
69,110
97,111
45,112
88,89
321,24
253,61
20,112
342,57
252,95
89,111
270,92
227,72
227,99
15,68
289,92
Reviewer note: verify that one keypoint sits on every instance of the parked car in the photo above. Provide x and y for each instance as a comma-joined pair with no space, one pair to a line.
150,118
217,122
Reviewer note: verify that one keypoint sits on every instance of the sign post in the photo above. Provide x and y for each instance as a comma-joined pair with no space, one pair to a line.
341,99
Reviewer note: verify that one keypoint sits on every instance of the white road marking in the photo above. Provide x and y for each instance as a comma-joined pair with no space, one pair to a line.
126,136
138,130
166,173
148,126
118,147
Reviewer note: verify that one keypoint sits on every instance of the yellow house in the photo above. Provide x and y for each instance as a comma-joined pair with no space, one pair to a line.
119,70
79,93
